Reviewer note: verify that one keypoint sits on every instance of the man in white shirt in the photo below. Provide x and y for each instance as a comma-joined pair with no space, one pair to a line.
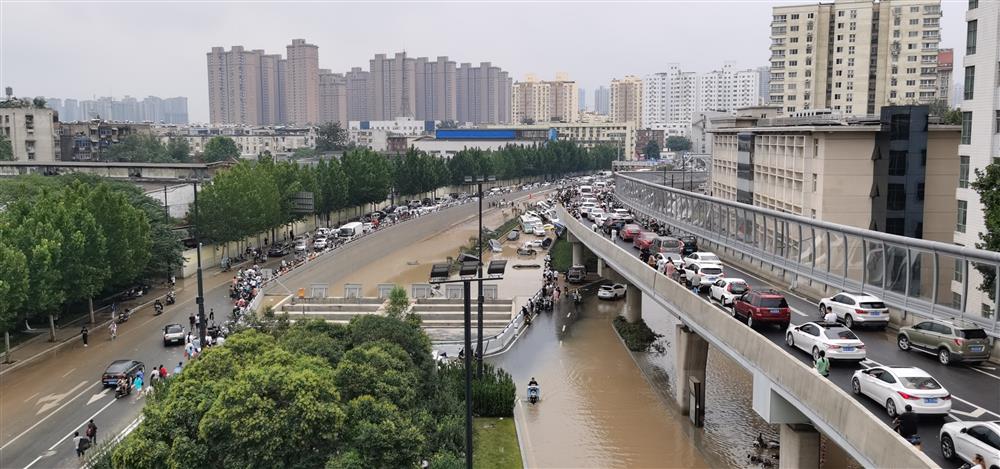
830,317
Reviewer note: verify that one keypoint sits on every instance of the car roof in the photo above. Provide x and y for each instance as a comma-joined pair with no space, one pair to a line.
120,364
770,293
733,279
861,296
956,323
172,325
908,371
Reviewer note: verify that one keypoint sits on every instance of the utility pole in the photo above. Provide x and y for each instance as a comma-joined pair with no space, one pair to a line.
201,288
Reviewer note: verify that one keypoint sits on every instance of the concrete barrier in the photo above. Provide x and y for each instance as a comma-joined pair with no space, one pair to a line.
831,409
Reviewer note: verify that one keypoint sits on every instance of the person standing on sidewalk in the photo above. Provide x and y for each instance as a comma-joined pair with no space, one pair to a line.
92,432
191,321
83,334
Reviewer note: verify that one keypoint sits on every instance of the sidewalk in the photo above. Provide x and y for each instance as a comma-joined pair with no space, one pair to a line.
39,346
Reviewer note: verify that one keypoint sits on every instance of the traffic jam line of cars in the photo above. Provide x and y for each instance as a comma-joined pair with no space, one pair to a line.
891,387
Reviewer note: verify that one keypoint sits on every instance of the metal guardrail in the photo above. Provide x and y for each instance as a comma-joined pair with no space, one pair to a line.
926,278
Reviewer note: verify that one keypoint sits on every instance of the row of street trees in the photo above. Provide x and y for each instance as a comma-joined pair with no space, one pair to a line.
141,148
256,197
313,394
67,239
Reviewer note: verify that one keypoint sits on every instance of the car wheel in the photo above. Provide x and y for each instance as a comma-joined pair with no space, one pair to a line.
815,353
856,386
166,343
789,339
944,356
947,447
733,312
849,322
903,343
750,320
890,408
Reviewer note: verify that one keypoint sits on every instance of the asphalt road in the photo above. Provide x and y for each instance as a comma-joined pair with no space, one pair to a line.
975,389
42,404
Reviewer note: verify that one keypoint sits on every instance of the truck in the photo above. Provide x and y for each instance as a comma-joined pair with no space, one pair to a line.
351,230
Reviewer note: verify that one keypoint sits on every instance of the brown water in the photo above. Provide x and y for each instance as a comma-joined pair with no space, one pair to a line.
597,409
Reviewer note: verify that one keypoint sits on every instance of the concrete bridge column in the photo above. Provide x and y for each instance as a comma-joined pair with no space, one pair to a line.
633,304
799,447
577,253
692,357
601,267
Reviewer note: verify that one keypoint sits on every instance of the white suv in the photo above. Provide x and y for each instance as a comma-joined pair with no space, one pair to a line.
856,308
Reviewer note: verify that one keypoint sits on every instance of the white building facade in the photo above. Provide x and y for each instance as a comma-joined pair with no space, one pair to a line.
672,98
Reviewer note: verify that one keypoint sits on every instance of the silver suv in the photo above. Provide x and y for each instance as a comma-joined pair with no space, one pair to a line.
949,340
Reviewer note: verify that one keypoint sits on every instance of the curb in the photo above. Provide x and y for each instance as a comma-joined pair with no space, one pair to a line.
518,430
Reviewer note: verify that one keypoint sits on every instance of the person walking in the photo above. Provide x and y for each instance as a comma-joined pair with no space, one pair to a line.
91,432
178,368
113,328
823,364
191,320
78,444
211,314
83,335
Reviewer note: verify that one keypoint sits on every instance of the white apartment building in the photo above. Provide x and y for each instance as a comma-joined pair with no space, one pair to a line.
672,98
823,54
375,134
545,101
980,140
33,132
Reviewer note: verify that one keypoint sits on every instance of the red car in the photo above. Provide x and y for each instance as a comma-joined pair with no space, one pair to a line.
629,231
764,307
644,240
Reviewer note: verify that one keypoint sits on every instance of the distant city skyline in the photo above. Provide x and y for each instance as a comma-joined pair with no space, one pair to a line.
168,63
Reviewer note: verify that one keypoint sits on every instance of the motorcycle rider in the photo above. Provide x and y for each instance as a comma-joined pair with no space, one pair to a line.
158,306
121,387
532,382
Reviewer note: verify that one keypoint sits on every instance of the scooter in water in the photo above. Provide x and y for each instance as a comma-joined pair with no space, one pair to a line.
534,393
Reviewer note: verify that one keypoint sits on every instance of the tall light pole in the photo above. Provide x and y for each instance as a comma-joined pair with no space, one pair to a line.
478,181
201,288
471,269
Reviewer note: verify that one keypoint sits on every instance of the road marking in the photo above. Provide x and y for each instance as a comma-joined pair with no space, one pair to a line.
567,314
991,368
68,372
88,388
991,375
564,328
53,399
974,414
51,451
98,396
30,397
800,313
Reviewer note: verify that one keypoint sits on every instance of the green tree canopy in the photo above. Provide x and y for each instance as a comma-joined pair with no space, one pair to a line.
987,185
330,137
179,150
138,148
675,143
13,283
651,150
220,149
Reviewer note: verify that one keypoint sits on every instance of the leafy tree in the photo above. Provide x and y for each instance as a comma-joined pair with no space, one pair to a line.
939,108
127,233
179,150
987,185
13,283
368,175
138,148
35,234
953,117
676,143
398,302
220,149
448,124
381,434
6,150
308,337
651,150
38,102
330,137
379,369
371,328
302,153
84,257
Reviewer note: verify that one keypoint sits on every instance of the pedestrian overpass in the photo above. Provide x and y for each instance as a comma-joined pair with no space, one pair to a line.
785,391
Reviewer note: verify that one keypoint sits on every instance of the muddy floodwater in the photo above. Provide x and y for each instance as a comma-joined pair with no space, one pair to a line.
597,409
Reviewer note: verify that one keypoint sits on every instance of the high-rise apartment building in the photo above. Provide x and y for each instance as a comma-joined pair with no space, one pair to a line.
234,86
945,66
626,100
391,87
272,98
582,97
302,82
357,94
435,89
545,101
332,98
483,94
980,139
602,101
854,56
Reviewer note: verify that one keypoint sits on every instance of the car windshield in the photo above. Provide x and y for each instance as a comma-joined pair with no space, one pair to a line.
173,329
708,257
873,305
840,333
737,287
711,270
117,367
919,382
773,303
971,333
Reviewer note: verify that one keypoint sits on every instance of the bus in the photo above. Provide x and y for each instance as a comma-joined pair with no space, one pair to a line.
529,222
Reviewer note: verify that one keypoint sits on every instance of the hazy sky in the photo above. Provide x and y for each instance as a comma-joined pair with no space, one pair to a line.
86,49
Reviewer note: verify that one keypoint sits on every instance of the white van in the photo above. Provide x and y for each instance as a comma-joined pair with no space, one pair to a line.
601,186
586,191
351,230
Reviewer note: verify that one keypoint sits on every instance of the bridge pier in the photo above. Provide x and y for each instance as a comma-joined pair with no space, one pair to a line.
577,253
692,357
601,267
799,447
633,304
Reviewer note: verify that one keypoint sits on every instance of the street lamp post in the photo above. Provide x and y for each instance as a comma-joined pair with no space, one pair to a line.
201,288
471,270
478,181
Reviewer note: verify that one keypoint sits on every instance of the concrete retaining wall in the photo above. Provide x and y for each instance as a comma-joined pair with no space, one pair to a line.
831,409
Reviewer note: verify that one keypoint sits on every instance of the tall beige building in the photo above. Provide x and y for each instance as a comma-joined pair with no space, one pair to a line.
483,94
434,83
391,87
626,100
33,132
234,86
545,101
854,56
332,98
272,97
302,83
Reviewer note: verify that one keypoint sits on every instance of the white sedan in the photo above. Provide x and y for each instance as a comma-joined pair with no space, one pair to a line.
837,341
702,258
611,292
964,440
727,289
896,387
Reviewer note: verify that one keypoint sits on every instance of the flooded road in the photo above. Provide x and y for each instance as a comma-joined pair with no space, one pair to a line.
597,409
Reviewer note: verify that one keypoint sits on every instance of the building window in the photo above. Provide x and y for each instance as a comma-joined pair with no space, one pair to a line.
815,181
963,171
897,163
896,197
966,128
970,37
956,300
973,4
970,81
963,208
987,311
959,270
996,127
920,191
